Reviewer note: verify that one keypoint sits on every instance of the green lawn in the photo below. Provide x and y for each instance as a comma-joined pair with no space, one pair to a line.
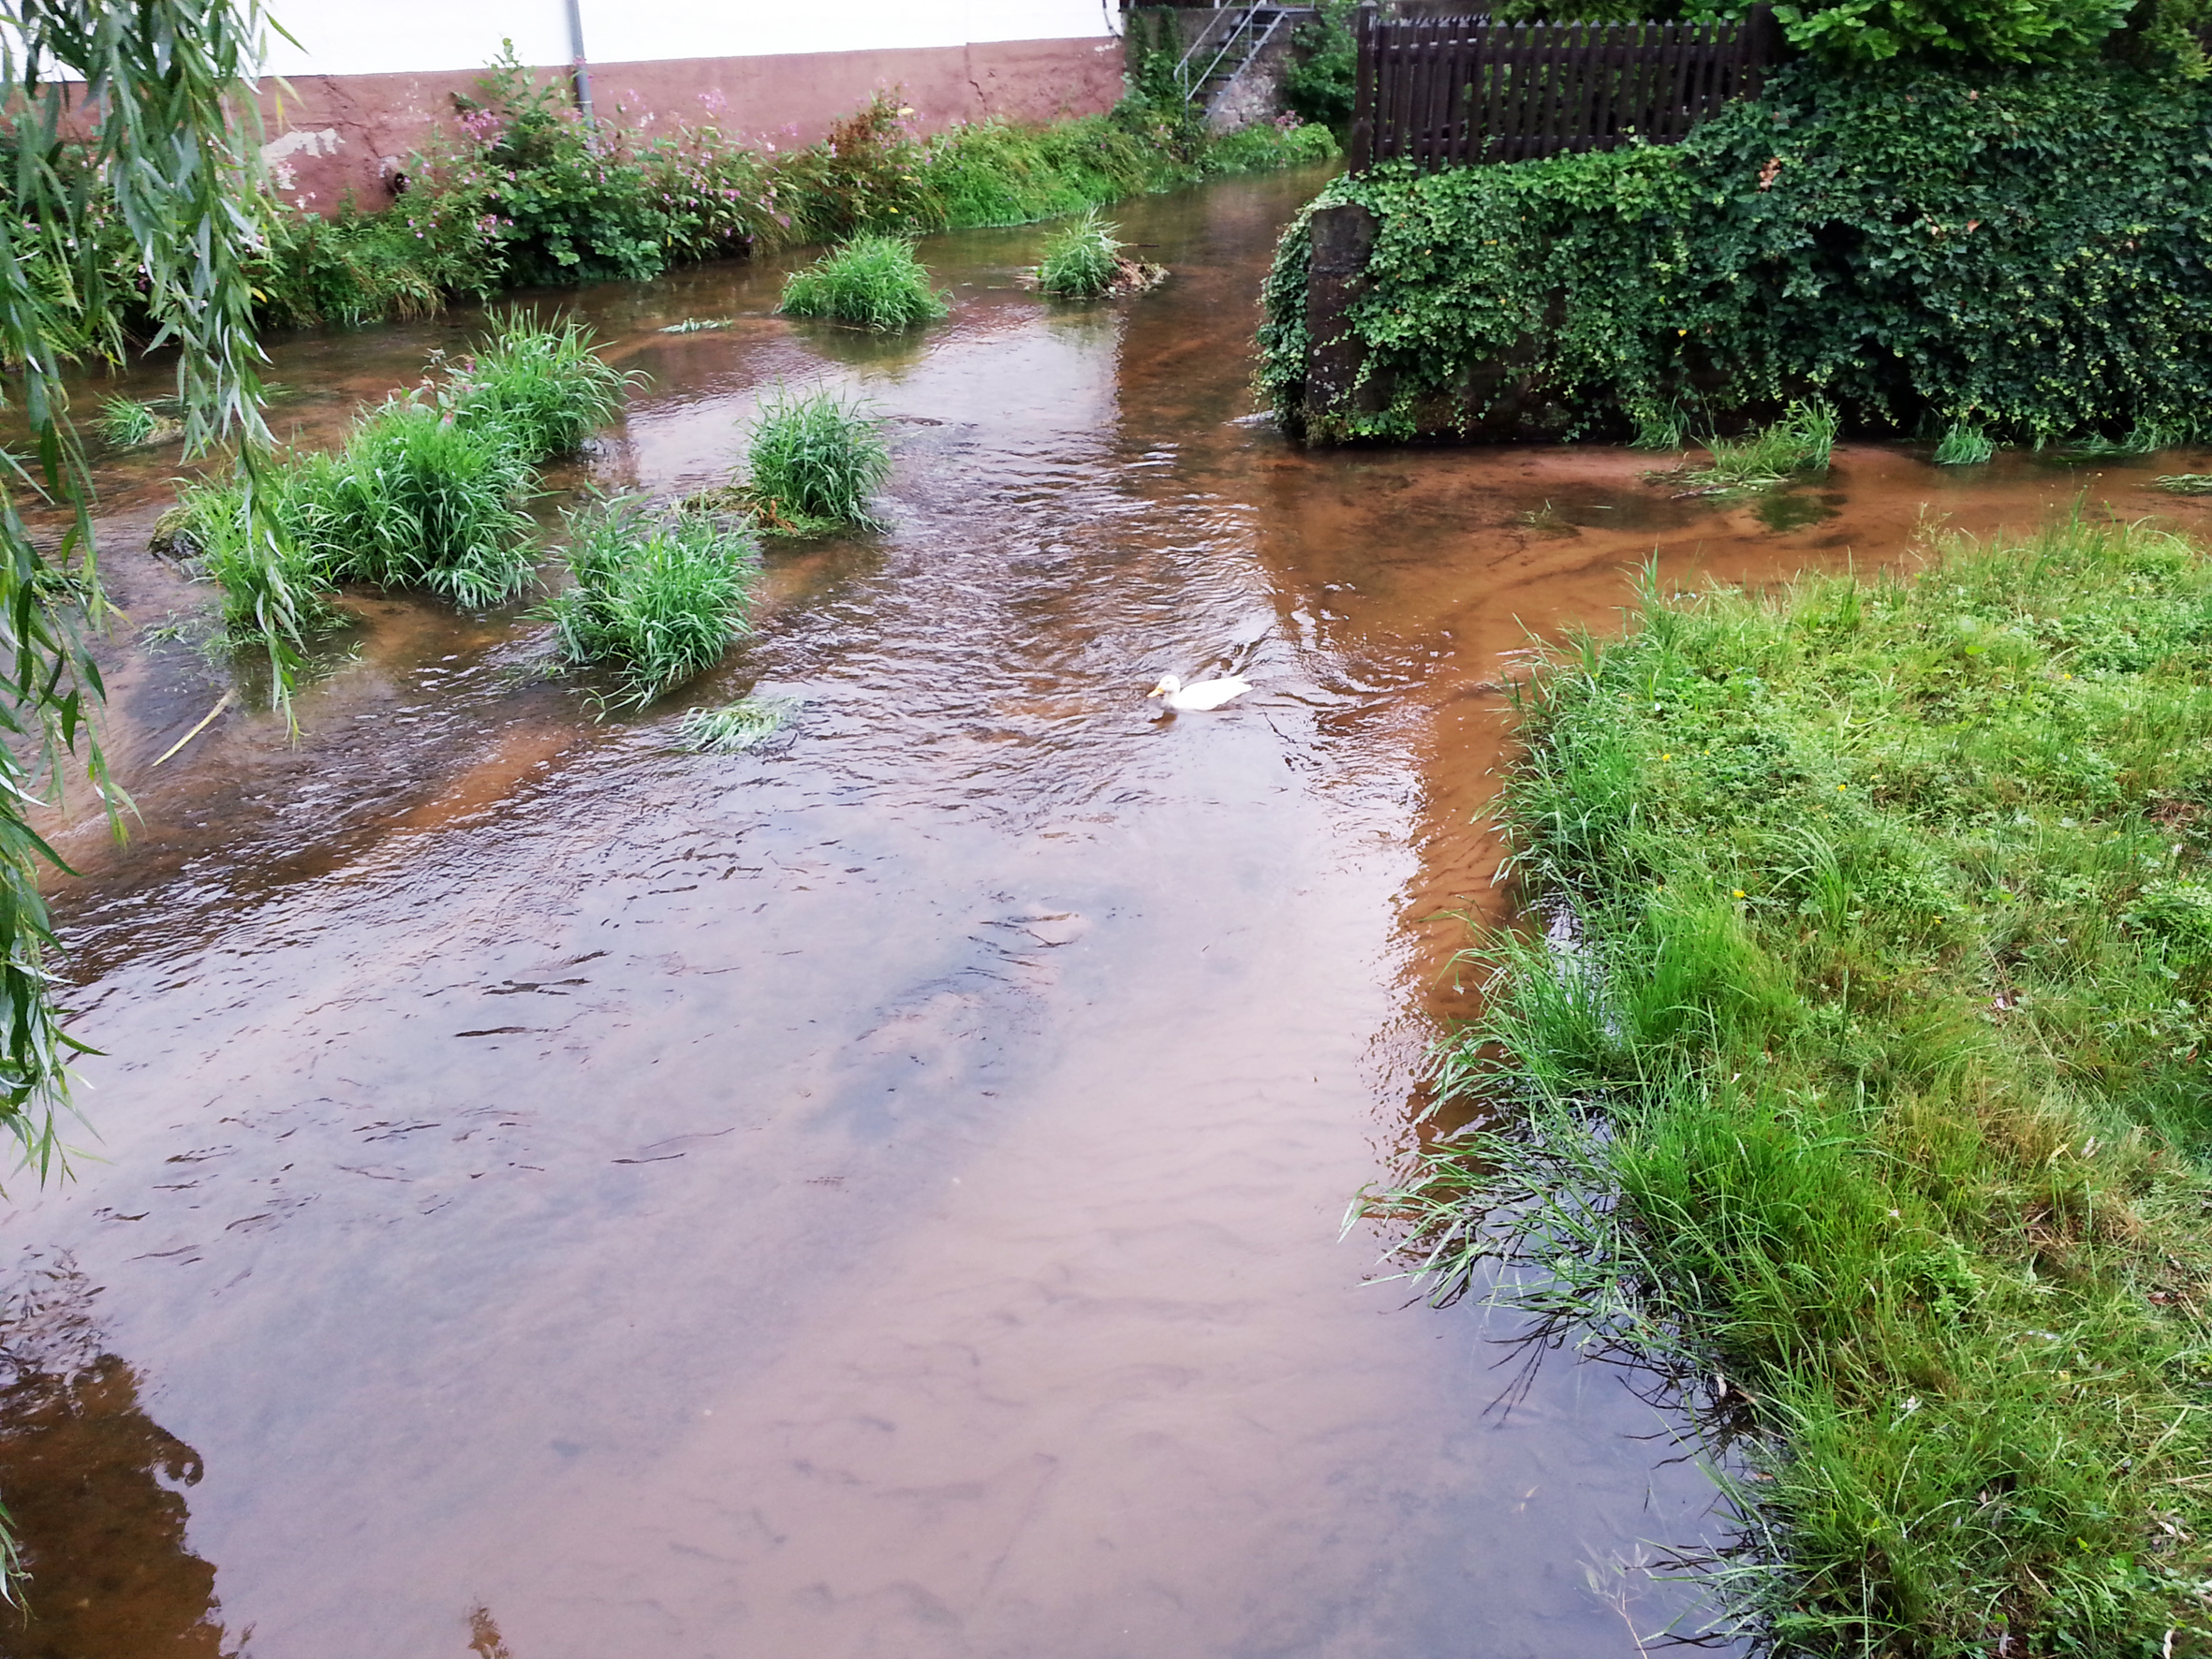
1866,1068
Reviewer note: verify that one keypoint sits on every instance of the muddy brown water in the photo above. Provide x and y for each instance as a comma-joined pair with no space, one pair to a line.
551,1196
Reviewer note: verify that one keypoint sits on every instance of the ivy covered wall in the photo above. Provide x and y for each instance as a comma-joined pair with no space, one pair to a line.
2023,252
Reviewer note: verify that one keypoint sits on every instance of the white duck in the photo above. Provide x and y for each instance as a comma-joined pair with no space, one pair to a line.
1206,694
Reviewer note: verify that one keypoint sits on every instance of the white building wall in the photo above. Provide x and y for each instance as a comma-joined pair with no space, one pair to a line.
400,37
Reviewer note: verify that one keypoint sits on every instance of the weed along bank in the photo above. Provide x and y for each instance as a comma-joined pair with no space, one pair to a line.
370,85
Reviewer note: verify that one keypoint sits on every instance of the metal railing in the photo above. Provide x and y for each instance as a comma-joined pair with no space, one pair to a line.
1251,27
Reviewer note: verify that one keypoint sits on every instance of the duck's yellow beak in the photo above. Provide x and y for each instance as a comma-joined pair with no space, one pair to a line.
1156,691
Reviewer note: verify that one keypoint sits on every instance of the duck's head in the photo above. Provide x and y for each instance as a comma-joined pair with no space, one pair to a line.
1169,684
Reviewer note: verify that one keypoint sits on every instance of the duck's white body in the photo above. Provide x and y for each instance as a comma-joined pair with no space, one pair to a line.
1206,694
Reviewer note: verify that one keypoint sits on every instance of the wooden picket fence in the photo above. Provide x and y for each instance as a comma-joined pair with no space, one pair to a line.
1450,91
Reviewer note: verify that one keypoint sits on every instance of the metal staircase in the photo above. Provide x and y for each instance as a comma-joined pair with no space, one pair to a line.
1232,37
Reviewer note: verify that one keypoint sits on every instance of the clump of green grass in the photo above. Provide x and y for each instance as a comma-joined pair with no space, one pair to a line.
1964,445
658,597
699,325
813,463
417,500
126,423
1797,443
875,282
545,383
743,724
274,585
1865,1083
1081,260
2185,483
1661,427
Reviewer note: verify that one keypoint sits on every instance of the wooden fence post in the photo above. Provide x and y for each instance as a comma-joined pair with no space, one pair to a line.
1363,102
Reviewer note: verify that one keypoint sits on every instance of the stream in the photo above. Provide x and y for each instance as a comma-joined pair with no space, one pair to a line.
547,1194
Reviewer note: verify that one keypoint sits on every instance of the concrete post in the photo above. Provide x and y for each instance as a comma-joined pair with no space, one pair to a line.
1342,238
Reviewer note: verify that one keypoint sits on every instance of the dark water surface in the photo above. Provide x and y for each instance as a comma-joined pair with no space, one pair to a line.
557,1196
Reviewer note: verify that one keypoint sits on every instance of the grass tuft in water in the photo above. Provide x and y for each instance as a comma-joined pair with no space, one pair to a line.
275,586
1081,260
126,423
874,282
1862,1078
2185,483
416,499
659,598
743,724
813,461
699,325
1964,446
1799,442
543,383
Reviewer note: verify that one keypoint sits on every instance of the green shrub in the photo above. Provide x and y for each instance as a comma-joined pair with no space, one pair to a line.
865,177
1320,83
993,172
522,192
2017,254
1860,34
543,385
561,203
416,500
873,281
659,598
813,461
1081,260
357,268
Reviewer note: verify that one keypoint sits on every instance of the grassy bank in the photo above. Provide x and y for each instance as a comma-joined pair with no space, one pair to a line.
520,191
1863,1076
1976,254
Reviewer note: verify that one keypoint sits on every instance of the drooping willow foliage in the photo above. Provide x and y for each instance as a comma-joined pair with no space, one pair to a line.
142,104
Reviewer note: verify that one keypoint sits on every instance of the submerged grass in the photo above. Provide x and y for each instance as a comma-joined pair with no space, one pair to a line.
746,723
813,461
659,598
871,282
1865,1070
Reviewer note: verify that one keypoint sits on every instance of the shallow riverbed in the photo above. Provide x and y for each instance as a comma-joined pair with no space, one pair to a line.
559,1197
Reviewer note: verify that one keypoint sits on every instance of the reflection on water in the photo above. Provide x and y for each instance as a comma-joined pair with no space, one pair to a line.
94,1490
879,1195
